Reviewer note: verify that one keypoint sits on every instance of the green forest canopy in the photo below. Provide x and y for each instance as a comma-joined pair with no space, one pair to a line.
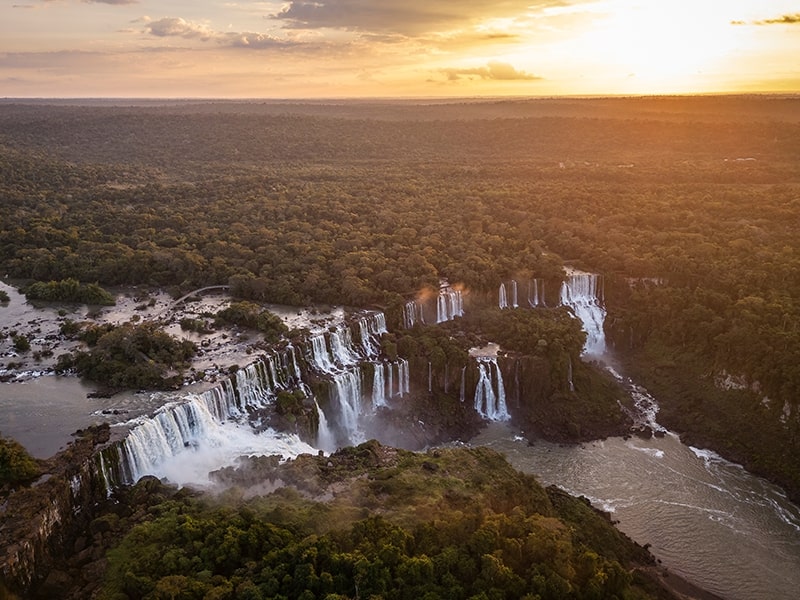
688,206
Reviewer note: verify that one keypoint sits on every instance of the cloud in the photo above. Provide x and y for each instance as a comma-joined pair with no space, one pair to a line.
407,17
181,28
783,20
255,41
793,19
495,70
178,27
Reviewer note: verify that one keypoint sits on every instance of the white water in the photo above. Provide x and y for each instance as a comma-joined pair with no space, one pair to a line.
581,292
346,396
502,300
449,304
326,440
490,394
379,385
536,293
404,386
707,520
187,439
413,314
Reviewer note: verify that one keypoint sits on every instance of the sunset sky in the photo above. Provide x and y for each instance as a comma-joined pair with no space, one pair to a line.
396,48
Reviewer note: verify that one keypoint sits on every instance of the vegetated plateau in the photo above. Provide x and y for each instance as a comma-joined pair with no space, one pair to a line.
688,207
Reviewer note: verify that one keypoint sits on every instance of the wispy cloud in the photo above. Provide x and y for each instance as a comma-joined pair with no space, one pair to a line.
793,19
783,20
496,70
177,27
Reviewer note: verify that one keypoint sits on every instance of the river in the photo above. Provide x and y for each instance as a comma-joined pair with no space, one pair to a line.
706,519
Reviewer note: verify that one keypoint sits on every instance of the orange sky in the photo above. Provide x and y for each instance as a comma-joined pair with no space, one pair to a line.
396,48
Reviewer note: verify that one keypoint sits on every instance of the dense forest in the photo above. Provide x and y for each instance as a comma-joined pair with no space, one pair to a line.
688,207
446,524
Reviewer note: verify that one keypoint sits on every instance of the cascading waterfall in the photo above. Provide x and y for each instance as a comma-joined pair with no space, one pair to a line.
346,394
403,375
462,393
490,394
295,366
582,292
326,440
379,385
319,354
371,328
536,293
342,346
185,440
253,386
449,304
510,299
413,314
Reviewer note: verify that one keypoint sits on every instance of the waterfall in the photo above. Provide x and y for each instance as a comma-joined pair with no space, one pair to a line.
461,393
335,350
253,386
430,377
325,438
413,314
199,433
536,293
449,304
403,376
514,302
347,395
490,394
378,385
569,376
186,440
319,354
370,328
503,300
582,293
342,346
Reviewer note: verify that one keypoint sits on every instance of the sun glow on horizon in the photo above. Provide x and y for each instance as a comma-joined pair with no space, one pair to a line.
402,48
659,47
